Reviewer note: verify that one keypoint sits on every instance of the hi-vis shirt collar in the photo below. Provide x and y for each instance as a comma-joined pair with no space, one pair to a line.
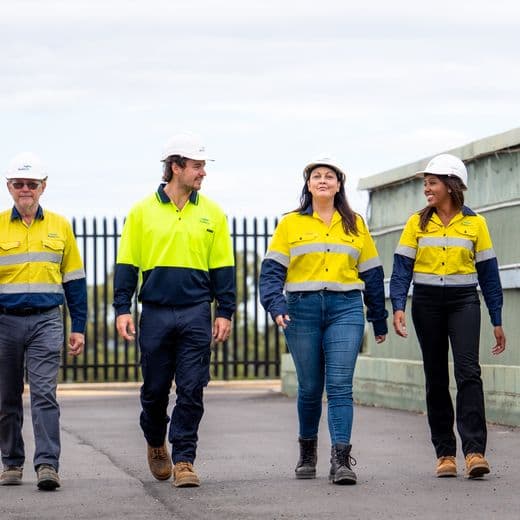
464,212
310,211
15,214
162,197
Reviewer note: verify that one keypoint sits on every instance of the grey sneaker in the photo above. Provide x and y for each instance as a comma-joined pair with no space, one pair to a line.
11,476
48,479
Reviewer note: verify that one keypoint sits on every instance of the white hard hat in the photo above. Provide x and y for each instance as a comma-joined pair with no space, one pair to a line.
323,161
186,145
446,164
26,165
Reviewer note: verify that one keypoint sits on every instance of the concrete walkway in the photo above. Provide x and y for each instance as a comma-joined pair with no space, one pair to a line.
247,452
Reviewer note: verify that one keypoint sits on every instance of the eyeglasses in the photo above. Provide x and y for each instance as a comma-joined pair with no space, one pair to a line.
32,185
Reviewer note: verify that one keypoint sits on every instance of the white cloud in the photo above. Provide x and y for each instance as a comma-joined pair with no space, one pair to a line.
97,86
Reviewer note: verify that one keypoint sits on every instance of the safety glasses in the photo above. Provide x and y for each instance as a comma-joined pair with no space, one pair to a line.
32,185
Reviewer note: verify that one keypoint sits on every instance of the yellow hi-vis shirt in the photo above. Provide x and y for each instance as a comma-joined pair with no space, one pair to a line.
40,265
321,257
446,256
184,256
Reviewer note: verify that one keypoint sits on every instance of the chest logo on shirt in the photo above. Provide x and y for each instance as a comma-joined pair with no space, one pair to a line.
53,235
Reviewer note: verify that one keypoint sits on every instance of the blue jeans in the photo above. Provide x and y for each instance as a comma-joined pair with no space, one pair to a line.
324,337
175,345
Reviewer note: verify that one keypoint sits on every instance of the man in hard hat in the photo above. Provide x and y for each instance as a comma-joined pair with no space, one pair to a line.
179,242
40,267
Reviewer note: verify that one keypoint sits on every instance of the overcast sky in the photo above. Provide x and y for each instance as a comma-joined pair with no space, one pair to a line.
97,87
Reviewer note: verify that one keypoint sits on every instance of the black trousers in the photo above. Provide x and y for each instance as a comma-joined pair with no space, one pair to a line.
444,315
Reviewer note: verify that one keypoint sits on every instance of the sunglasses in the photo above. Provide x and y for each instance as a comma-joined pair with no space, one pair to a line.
32,185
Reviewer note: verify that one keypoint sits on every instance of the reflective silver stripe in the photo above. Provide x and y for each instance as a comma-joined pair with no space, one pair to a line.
445,242
448,279
320,286
278,257
17,288
74,275
487,254
409,252
322,247
369,264
23,258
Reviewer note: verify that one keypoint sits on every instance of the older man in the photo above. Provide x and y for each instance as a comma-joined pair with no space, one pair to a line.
40,266
179,241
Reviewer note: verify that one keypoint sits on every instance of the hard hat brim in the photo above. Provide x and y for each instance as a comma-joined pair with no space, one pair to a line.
330,164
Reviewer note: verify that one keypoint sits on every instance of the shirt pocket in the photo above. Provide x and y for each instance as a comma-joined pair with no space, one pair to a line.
351,246
53,251
465,231
7,268
296,239
54,245
9,246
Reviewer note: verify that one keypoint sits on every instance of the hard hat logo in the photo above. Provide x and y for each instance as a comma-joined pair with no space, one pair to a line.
446,164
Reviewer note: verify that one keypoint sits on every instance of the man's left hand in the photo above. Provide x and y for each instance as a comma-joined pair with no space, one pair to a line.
76,343
221,329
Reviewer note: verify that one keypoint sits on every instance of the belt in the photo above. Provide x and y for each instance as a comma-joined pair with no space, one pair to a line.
25,311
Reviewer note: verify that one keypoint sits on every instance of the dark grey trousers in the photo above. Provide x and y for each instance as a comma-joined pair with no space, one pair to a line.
34,341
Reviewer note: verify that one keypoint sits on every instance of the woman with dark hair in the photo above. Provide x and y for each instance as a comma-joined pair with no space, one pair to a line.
446,249
324,257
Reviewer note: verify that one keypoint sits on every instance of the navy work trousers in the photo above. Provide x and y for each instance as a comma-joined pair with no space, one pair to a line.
441,314
175,345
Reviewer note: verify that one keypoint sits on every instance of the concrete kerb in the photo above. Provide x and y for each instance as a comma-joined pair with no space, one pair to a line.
248,385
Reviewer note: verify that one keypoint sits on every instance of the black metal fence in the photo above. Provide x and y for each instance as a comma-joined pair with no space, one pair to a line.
252,351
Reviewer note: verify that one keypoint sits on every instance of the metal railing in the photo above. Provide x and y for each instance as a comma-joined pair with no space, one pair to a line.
252,351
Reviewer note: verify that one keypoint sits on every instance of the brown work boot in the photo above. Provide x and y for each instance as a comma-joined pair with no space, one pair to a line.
159,462
446,466
184,475
11,476
476,465
47,478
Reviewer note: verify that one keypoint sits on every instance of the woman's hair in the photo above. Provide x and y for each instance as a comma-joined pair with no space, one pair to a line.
167,167
348,217
456,189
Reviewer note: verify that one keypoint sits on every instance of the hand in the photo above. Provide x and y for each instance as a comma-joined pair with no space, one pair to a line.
125,326
76,343
500,339
400,324
380,339
282,320
221,329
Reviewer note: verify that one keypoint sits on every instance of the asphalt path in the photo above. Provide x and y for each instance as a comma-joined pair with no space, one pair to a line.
246,458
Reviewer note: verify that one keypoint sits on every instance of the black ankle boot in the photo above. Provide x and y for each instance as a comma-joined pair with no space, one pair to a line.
340,465
306,466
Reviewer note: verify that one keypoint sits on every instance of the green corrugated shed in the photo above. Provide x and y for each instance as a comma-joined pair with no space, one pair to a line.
390,374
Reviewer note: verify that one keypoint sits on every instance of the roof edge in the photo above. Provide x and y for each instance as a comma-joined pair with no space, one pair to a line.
468,152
